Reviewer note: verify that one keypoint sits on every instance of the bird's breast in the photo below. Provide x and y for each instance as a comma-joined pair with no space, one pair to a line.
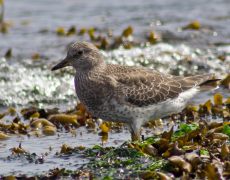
92,93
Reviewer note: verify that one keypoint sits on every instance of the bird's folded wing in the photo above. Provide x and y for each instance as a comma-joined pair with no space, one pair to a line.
143,89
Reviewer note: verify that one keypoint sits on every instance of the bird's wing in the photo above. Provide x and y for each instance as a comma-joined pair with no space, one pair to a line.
143,88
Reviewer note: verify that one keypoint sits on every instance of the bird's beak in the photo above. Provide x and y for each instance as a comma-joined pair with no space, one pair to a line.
63,63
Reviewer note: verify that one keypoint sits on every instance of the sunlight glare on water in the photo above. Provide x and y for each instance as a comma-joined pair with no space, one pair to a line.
22,85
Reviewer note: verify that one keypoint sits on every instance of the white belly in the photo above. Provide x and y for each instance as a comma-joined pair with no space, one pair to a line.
167,107
126,113
162,109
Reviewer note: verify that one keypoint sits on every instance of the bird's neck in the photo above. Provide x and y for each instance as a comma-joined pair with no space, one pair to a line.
91,71
84,81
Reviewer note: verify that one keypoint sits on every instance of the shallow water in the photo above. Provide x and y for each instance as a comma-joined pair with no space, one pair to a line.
25,82
42,145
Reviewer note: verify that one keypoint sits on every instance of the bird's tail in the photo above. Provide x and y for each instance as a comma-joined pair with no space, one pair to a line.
204,83
208,82
209,85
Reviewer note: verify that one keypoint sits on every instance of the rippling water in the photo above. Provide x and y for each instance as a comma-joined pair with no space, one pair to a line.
46,148
22,84
24,81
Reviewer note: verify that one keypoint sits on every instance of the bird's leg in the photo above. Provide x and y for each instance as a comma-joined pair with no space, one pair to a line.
135,136
135,130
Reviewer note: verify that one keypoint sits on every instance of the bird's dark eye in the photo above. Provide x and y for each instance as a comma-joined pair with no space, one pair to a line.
80,52
77,53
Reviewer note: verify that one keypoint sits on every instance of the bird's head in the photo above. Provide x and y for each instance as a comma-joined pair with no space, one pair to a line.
82,56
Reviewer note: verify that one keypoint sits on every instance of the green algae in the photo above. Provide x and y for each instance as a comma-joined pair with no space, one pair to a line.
184,129
226,130
204,152
128,159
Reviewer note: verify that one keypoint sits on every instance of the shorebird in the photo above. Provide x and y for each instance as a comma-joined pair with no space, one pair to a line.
128,94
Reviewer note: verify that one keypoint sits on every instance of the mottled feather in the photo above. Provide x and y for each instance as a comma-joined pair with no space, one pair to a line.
143,87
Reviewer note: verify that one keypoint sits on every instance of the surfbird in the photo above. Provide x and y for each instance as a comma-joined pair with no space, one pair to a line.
128,94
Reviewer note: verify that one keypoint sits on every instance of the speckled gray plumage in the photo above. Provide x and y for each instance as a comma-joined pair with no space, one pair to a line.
133,86
124,93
